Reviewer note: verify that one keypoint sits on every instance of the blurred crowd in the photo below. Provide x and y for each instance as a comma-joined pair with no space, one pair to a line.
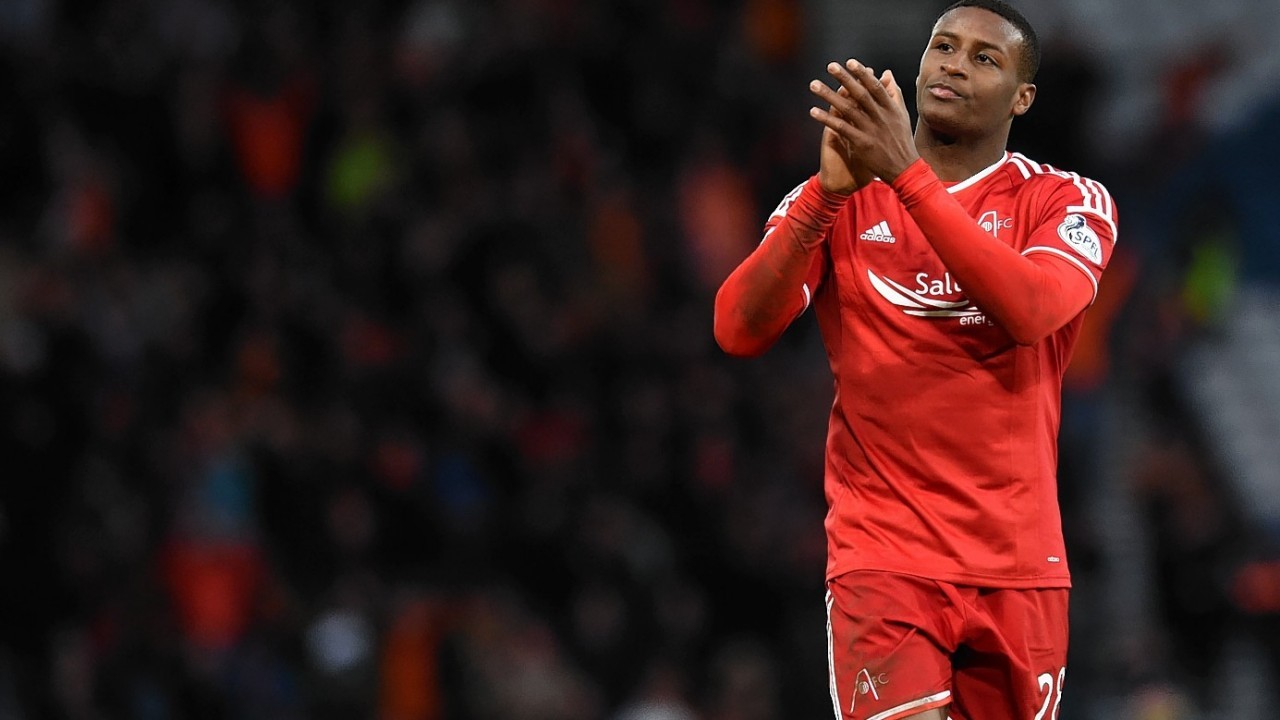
355,361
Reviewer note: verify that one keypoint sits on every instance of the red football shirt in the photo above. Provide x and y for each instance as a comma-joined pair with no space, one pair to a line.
942,445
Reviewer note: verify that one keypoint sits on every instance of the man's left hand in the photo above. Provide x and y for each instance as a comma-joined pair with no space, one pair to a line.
872,118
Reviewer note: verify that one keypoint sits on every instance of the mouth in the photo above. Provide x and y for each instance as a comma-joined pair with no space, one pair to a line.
943,91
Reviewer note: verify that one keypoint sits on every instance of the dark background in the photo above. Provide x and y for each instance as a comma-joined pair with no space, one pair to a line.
356,359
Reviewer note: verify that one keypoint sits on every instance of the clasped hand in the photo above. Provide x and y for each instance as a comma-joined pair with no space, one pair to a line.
869,116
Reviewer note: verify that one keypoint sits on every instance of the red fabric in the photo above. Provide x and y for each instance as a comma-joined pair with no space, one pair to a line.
884,645
773,285
891,640
1029,296
942,446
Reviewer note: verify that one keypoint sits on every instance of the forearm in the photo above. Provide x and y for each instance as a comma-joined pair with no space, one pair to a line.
1024,296
766,292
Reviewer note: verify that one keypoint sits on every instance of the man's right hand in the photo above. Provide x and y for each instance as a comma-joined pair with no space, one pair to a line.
837,171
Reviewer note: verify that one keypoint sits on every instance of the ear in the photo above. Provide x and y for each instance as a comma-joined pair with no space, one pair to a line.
1023,97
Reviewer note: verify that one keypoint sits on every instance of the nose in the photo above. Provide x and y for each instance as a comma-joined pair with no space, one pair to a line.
954,68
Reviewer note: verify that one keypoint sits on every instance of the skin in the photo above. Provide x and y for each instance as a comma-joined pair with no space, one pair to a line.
968,92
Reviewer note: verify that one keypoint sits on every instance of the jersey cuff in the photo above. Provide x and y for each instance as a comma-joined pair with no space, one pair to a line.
814,209
916,182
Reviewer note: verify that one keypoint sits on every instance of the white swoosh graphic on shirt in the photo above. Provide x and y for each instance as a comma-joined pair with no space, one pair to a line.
917,305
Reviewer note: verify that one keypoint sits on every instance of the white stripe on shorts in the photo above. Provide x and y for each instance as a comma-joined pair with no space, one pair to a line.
904,707
831,661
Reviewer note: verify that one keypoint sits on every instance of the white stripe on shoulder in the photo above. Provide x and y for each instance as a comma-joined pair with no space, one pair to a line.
1094,197
787,200
1034,166
1101,190
930,700
1022,167
1055,251
1089,198
808,296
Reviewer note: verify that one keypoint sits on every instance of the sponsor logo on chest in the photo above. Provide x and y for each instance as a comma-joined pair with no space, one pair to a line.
927,285
937,297
923,297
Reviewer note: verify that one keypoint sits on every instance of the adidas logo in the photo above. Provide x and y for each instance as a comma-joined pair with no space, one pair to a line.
879,233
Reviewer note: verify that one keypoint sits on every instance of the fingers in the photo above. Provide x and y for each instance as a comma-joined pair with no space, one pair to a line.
892,90
858,83
866,79
839,99
844,94
890,87
858,99
842,127
850,98
853,90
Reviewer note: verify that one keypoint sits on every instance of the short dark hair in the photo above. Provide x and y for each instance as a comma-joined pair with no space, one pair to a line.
1030,63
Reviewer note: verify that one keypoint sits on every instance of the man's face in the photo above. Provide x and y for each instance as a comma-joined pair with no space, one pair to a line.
968,83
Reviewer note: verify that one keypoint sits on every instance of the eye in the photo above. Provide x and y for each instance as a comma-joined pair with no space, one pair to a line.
986,59
943,46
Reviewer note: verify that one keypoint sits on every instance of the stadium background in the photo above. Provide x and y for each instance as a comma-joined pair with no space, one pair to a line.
355,358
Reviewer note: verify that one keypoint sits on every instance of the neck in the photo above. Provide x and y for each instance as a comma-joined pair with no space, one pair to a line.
958,158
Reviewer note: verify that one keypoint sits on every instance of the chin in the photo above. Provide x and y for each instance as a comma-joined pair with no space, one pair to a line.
945,122
944,126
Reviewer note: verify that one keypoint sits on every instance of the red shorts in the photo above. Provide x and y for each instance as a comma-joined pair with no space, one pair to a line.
898,645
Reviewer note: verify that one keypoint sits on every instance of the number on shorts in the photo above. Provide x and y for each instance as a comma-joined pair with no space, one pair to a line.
1047,687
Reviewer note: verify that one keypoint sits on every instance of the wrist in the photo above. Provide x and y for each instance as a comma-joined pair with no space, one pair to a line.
829,198
815,210
915,182
834,187
902,165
